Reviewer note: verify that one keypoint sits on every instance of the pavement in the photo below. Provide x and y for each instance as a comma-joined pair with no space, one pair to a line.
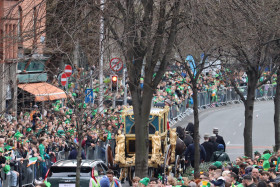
230,121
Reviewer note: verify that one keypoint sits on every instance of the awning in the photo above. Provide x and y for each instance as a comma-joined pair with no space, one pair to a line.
43,91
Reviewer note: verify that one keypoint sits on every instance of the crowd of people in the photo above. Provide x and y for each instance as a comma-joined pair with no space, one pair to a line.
42,133
262,171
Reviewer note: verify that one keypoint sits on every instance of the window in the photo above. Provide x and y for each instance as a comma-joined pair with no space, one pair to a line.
98,168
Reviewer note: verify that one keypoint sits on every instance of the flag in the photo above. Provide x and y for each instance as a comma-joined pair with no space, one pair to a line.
32,161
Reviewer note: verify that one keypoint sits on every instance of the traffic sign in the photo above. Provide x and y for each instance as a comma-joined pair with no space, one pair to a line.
89,98
68,70
63,79
116,64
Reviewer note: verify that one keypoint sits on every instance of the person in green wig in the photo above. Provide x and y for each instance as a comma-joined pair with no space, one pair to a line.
266,164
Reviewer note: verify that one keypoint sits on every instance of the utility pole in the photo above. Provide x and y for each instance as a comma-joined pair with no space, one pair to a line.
102,2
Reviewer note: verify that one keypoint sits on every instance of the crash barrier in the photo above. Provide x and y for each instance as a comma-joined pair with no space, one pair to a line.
22,173
11,177
97,152
219,97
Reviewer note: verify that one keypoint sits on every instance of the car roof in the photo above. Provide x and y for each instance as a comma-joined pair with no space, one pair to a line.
73,163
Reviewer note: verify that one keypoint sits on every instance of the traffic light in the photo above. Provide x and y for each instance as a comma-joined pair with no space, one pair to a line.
114,83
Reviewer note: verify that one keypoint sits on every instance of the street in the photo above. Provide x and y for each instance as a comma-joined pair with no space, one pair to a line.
230,121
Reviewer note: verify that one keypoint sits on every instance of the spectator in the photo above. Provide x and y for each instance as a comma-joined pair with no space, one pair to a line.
74,153
273,177
189,154
220,155
135,181
208,146
255,173
113,182
248,181
217,179
220,139
104,182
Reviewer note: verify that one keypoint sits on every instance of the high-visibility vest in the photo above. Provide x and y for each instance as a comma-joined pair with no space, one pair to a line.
95,183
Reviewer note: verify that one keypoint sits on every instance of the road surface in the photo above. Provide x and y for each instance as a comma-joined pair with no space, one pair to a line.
230,121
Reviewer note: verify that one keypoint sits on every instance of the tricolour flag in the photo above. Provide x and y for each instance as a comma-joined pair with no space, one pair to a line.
32,161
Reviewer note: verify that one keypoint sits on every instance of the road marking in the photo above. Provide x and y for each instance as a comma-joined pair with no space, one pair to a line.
228,142
240,124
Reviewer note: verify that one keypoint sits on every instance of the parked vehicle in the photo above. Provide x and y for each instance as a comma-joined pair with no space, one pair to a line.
63,173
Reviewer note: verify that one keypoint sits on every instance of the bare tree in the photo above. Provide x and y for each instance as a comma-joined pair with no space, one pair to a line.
244,28
145,32
197,41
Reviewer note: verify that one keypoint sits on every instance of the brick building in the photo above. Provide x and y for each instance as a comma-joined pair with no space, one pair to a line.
22,26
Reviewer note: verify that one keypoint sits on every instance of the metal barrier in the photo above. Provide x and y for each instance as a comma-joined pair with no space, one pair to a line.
28,174
96,153
223,96
61,155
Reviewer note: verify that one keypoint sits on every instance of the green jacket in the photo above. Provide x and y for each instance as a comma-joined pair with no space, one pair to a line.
220,156
42,151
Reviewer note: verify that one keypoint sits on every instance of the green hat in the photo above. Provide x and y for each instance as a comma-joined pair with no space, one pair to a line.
7,168
145,181
168,90
71,131
266,164
28,129
266,156
74,94
1,150
60,132
217,164
159,177
8,147
70,112
18,135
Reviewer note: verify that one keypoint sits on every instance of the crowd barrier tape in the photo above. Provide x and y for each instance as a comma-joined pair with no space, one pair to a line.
223,96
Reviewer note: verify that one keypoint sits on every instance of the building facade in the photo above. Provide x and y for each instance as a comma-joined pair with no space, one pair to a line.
22,26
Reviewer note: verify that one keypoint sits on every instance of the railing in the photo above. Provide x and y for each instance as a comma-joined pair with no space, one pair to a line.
37,172
27,174
207,99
